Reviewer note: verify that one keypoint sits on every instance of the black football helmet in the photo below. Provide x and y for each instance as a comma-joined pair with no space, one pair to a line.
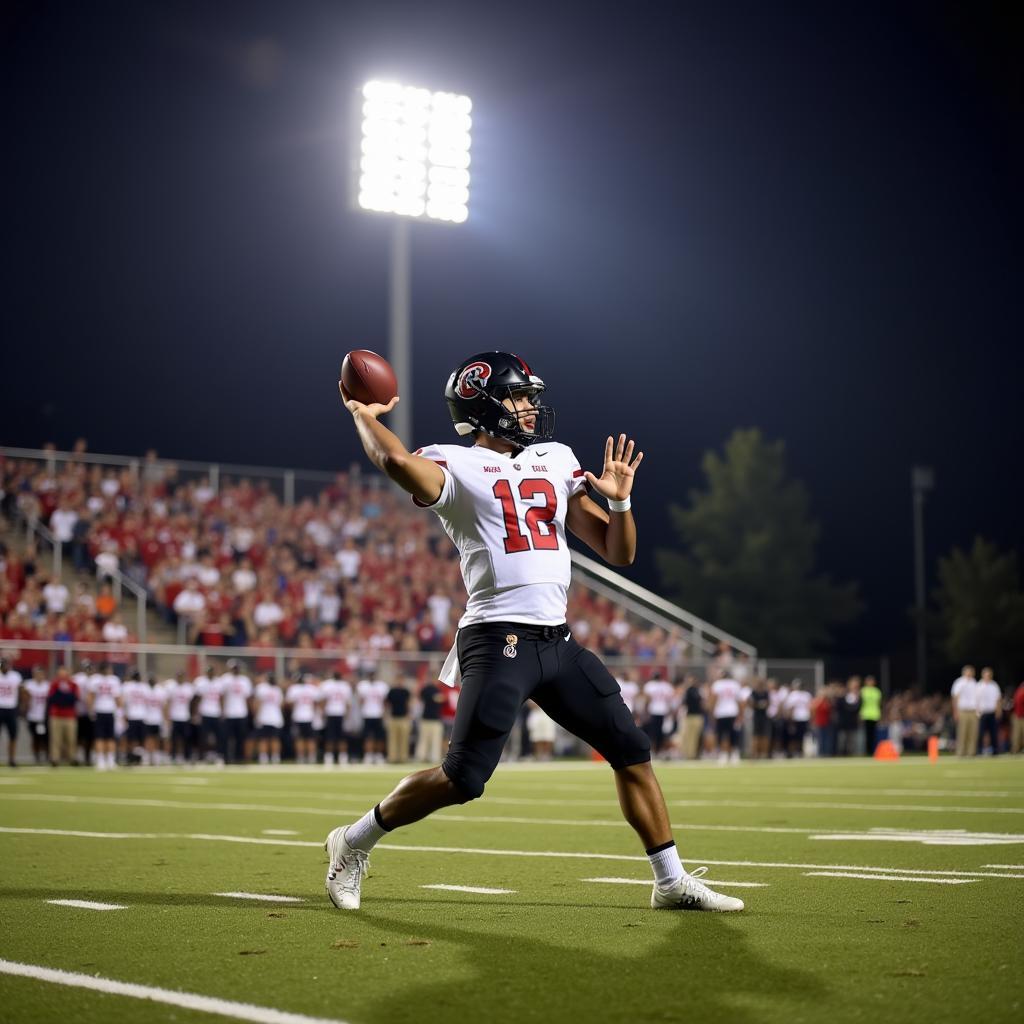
476,389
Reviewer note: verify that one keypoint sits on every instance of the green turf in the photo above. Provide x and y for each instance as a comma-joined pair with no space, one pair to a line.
806,949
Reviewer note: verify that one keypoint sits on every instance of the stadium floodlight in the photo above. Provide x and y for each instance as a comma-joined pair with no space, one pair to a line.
412,163
414,152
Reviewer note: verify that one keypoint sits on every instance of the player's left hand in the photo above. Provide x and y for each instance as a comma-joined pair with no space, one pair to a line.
616,481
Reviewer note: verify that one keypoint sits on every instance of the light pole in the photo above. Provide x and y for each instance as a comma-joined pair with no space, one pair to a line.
414,165
922,480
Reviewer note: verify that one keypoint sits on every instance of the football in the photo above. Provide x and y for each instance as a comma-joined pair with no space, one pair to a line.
368,377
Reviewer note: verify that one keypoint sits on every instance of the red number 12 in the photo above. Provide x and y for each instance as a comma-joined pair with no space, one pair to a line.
545,539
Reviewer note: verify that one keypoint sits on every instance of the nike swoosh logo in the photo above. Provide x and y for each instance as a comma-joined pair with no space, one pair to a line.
541,454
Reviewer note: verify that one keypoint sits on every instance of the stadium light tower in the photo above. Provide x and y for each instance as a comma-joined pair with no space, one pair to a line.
413,165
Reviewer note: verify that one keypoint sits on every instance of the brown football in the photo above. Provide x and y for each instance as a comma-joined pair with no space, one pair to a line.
368,377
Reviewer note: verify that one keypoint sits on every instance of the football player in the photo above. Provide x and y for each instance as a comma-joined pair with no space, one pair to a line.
506,502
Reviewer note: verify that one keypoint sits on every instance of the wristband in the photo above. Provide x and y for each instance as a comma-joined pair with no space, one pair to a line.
614,505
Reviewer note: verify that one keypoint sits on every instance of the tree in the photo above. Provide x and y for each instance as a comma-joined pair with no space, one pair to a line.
746,562
981,607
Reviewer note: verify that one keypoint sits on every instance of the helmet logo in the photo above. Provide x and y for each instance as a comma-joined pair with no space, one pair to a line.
472,380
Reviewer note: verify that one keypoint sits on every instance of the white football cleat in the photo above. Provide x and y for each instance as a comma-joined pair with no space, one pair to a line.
690,893
345,871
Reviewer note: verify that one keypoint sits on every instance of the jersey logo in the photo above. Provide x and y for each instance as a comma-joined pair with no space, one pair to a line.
473,380
510,645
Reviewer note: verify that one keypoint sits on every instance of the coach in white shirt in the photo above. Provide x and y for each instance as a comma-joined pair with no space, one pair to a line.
965,712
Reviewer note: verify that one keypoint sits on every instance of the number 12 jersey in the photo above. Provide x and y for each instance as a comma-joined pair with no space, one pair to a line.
506,515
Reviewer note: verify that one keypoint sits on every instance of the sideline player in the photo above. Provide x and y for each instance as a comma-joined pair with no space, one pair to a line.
506,502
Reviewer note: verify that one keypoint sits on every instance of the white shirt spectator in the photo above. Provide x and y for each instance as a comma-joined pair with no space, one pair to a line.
659,694
988,696
208,575
62,523
179,699
777,701
107,563
303,698
208,691
726,694
348,559
965,693
372,693
335,694
267,614
243,579
10,689
242,538
235,693
269,699
105,690
319,531
114,632
440,608
56,596
189,602
329,607
798,705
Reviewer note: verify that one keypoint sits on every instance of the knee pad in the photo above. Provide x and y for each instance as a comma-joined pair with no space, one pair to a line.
466,774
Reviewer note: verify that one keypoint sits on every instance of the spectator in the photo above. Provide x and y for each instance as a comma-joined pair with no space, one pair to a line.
372,694
11,700
269,719
431,731
848,718
399,725
760,700
798,713
62,710
190,603
965,712
989,699
726,706
38,689
335,696
824,727
659,695
62,522
693,721
56,595
870,713
1017,728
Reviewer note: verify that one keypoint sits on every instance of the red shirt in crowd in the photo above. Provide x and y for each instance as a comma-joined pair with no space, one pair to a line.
63,698
1018,702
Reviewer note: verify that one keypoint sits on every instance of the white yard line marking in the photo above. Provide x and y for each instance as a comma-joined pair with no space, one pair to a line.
555,854
925,838
472,888
87,904
819,805
259,896
186,1000
1005,867
279,832
706,881
888,878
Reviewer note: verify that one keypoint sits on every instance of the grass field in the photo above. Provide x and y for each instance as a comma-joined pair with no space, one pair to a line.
932,931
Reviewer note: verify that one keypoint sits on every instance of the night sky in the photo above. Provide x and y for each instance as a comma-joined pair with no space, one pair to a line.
793,217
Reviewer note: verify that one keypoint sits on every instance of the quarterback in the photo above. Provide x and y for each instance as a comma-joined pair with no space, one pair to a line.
506,501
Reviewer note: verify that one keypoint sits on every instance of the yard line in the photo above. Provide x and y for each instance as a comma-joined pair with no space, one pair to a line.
279,832
926,838
259,896
888,878
186,1000
87,904
472,888
706,881
555,854
819,805
1005,867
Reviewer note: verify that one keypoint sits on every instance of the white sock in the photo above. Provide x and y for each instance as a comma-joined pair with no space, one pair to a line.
366,832
666,865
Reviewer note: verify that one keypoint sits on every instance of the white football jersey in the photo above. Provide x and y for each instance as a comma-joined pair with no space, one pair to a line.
727,694
10,689
303,698
269,699
235,693
179,696
798,705
156,704
659,694
105,690
209,691
38,691
372,694
506,515
134,695
335,694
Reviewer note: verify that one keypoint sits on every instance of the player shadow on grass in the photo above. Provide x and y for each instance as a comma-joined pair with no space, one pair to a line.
664,966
